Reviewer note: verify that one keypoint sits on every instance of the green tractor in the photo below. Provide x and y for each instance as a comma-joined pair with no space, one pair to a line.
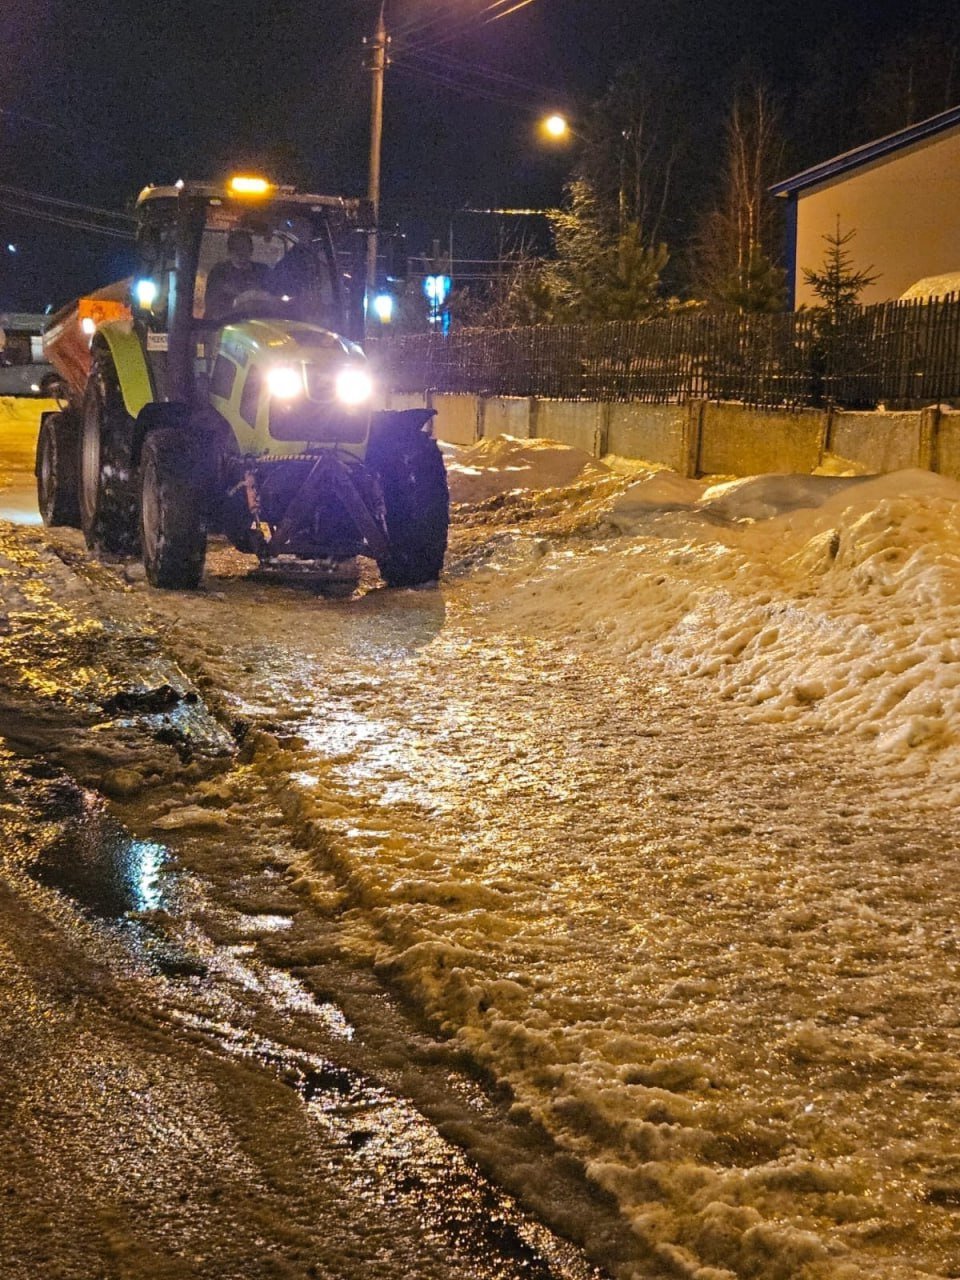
223,390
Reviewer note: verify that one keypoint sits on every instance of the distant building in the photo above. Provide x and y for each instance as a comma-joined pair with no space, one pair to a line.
24,370
901,194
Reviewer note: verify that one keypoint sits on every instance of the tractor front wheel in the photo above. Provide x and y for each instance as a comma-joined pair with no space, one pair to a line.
416,505
173,528
56,470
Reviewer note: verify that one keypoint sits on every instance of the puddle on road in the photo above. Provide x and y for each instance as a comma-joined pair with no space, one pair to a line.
105,870
117,879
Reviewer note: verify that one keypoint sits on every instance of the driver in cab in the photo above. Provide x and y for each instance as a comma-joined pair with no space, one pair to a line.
235,275
298,278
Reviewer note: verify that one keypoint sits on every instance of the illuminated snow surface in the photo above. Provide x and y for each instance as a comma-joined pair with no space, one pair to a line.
651,807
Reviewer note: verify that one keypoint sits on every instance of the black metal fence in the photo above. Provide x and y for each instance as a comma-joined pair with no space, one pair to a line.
899,353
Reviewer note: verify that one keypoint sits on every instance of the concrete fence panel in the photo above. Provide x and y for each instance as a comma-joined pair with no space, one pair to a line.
458,418
705,438
657,433
878,441
578,423
736,441
505,416
405,400
947,452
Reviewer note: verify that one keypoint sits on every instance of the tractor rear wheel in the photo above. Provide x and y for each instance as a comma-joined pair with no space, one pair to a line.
56,470
416,505
173,526
108,476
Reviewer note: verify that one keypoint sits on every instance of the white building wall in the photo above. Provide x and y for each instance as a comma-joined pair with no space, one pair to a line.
905,209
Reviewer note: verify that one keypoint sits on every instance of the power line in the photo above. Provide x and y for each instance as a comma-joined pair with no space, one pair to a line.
521,4
451,31
456,84
465,21
478,71
36,196
38,124
76,223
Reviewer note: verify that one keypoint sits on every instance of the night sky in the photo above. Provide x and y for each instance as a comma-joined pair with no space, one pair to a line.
100,98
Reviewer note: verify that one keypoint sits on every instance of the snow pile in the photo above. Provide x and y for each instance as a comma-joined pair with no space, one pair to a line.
503,464
832,599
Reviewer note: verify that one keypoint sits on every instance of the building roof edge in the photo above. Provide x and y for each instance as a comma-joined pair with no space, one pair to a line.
875,150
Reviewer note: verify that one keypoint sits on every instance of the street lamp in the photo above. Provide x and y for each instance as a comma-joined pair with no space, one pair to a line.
377,64
556,127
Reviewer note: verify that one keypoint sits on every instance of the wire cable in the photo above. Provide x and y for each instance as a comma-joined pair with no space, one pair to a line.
456,85
422,25
426,34
473,82
63,220
521,4
480,71
41,199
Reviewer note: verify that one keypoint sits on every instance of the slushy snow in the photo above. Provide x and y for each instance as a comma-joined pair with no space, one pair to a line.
740,1019
832,600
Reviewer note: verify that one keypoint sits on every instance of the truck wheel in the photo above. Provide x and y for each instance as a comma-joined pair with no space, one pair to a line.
173,529
417,507
56,470
108,480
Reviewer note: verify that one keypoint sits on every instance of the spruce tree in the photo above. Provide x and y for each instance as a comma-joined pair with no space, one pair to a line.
601,272
837,285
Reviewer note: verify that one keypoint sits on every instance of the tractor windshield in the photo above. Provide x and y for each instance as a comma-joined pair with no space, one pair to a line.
277,260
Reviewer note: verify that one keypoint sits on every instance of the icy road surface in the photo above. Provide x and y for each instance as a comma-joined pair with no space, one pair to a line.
176,1106
648,809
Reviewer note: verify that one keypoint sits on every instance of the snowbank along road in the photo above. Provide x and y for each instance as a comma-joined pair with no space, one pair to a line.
649,810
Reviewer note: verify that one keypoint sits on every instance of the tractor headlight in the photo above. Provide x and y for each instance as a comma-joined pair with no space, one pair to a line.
284,382
353,387
145,291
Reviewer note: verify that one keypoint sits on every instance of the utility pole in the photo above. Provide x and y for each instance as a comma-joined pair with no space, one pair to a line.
377,66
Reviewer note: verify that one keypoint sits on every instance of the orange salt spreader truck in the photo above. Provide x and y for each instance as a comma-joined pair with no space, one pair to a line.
223,389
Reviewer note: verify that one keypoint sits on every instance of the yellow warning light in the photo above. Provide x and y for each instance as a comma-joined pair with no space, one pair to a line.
245,184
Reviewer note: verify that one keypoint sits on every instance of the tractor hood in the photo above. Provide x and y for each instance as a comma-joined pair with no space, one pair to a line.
287,340
289,382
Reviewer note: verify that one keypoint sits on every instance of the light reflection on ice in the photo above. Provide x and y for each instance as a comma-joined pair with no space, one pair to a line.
401,762
263,923
238,963
145,860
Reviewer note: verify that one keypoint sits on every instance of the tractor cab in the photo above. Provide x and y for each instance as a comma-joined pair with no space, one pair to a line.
212,256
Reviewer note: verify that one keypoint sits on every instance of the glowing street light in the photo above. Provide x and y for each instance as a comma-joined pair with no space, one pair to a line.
556,127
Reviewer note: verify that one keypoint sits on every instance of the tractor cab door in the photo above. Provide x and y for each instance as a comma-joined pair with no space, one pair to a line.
154,289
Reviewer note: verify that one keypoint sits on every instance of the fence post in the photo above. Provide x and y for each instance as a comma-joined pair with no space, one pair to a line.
929,459
826,430
601,438
534,417
690,438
